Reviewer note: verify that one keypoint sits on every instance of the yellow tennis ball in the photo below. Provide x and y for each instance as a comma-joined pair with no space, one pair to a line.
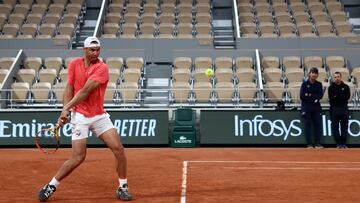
209,72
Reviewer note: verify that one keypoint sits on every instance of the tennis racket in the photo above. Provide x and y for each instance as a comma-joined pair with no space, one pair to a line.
48,140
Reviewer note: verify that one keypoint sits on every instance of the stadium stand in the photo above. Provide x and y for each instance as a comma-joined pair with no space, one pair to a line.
169,34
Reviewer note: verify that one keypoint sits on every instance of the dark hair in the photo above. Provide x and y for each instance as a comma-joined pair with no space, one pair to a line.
337,72
314,70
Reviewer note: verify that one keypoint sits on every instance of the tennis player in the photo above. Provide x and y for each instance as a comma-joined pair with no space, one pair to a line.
84,96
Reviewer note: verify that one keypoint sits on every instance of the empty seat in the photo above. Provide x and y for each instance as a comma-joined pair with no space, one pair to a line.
246,18
182,62
202,91
356,74
116,8
200,76
114,75
135,62
53,63
34,18
343,27
333,7
272,74
266,28
66,29
245,74
264,17
248,28
247,91
52,18
294,90
38,9
131,75
5,9
180,91
47,29
294,75
286,28
110,93
16,18
11,29
224,75
63,75
3,18
113,18
58,90
115,62
315,6
167,18
282,17
203,18
41,92
225,91
128,91
130,18
47,75
203,62
203,29
148,18
70,18
29,29
339,16
148,29
73,8
244,62
324,27
291,62
26,75
6,62
270,62
181,75
33,63
3,74
223,63
305,27
185,18
19,92
166,28
56,8
313,61
149,8
320,17
274,91
111,28
335,62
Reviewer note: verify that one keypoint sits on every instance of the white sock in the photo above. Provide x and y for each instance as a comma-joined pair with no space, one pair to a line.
54,182
122,182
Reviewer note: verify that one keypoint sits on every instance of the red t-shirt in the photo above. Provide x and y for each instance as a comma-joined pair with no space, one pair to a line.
78,75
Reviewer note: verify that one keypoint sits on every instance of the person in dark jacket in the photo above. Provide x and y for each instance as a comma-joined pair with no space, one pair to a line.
311,92
339,94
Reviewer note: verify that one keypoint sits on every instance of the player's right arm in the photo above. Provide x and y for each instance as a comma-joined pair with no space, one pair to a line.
68,94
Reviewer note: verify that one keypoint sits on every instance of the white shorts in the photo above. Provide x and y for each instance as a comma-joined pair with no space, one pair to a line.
81,125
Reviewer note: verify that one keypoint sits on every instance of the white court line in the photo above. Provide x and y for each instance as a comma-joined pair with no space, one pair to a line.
290,168
282,162
183,184
185,168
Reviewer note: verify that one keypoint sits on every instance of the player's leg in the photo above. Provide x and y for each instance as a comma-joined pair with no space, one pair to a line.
112,140
79,135
77,157
105,130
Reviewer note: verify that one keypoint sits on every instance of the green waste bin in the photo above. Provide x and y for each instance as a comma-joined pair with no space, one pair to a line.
183,132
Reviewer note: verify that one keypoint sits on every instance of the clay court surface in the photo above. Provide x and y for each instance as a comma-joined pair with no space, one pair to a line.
189,175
